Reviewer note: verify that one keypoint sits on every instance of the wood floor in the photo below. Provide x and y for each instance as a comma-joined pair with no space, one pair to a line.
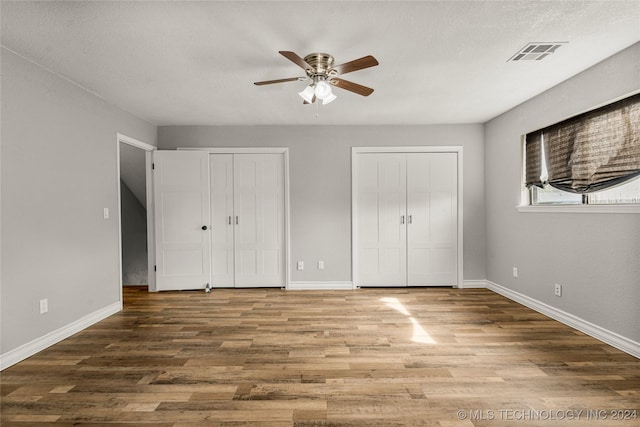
371,357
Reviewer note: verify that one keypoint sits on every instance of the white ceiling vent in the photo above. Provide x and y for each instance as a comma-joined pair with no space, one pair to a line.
536,51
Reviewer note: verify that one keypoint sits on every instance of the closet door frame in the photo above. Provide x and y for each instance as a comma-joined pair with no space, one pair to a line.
285,163
355,151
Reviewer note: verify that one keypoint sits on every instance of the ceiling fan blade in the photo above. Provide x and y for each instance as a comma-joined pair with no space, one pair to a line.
356,64
293,57
270,82
350,86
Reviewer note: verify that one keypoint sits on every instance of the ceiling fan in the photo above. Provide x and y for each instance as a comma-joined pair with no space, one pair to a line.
322,73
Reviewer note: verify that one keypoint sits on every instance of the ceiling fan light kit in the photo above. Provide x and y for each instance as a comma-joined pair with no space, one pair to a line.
320,70
322,90
307,94
329,98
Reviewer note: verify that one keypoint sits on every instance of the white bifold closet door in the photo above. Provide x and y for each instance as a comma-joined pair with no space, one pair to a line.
407,219
247,220
382,229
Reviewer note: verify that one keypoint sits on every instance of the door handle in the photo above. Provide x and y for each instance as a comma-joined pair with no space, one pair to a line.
402,219
236,219
204,227
410,219
229,219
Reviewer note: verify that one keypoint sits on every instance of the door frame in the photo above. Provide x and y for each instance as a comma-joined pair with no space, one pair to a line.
151,255
355,151
285,163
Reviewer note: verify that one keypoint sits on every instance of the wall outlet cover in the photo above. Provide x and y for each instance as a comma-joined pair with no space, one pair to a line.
558,290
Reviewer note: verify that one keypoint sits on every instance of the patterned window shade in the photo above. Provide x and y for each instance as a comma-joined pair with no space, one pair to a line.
595,150
533,159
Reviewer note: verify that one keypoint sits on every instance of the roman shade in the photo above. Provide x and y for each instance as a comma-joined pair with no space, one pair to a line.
589,152
533,158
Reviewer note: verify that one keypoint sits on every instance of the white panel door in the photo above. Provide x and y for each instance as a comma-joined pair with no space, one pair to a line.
381,193
432,198
258,220
181,205
222,220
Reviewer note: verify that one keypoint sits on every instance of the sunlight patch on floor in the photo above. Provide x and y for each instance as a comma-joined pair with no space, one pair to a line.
420,335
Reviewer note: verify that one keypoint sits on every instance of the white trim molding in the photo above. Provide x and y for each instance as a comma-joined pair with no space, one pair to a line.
615,340
580,209
237,150
134,142
473,284
19,354
320,286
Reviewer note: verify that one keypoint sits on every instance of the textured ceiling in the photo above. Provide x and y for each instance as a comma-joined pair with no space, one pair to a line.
187,63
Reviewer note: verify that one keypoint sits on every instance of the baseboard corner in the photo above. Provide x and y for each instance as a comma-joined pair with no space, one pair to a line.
24,351
473,284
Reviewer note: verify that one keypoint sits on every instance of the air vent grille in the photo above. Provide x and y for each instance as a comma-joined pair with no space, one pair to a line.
536,51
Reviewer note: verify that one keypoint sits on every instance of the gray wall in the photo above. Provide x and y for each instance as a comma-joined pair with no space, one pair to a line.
320,183
133,171
134,238
58,172
596,257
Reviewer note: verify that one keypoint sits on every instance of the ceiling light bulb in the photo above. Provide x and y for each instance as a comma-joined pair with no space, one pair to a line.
307,94
328,99
323,89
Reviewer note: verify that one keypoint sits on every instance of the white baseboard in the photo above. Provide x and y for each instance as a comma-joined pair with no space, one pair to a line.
473,284
320,286
18,354
618,341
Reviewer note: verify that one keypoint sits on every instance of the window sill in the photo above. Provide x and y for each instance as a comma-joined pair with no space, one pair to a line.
580,209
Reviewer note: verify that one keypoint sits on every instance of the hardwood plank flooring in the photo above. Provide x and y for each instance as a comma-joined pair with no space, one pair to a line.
369,357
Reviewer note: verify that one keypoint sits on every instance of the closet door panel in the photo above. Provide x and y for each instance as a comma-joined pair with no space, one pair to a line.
382,219
259,229
432,209
222,256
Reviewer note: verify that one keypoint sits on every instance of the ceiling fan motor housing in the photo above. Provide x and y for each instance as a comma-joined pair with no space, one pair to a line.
321,64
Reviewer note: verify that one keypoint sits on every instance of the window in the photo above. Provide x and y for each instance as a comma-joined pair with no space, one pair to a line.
592,158
627,193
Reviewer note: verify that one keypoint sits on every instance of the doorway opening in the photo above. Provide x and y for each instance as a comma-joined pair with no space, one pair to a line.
136,213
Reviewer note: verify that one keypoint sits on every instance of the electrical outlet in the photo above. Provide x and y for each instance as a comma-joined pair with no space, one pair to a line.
320,265
558,290
44,305
300,265
105,213
515,271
